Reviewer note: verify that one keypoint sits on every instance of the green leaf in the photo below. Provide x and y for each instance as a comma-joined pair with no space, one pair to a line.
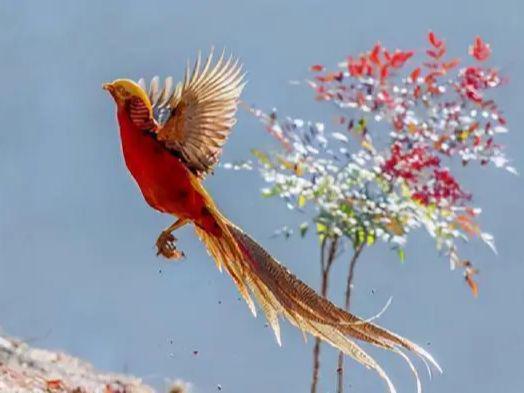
301,200
360,236
262,157
346,209
322,230
361,125
401,255
406,193
321,190
303,228
273,191
370,239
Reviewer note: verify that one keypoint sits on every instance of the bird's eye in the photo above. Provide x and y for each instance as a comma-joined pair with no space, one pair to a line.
122,92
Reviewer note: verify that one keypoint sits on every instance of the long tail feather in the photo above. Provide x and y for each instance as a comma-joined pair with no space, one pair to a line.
279,292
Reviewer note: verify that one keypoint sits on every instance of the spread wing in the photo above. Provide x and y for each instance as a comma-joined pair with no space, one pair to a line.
197,116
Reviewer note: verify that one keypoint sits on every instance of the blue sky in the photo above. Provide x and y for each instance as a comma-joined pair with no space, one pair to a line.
77,264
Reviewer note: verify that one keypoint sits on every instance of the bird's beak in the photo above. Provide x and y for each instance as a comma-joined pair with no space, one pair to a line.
108,87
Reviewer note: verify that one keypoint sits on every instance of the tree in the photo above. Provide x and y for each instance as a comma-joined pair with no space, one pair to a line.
380,172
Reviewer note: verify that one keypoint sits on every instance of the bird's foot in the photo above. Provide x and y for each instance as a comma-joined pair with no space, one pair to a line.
166,246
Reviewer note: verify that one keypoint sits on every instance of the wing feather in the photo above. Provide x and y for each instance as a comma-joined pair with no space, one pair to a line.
197,115
154,90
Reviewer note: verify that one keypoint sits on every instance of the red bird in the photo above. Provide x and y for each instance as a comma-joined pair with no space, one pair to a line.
171,138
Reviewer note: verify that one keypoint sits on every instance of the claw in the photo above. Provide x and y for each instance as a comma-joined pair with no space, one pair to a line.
166,246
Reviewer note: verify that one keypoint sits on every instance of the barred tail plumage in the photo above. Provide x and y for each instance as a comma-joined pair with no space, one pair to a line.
279,292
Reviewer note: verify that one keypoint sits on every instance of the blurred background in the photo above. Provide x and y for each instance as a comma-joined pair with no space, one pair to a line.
77,261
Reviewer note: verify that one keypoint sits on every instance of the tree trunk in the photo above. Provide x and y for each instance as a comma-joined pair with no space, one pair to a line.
347,301
325,266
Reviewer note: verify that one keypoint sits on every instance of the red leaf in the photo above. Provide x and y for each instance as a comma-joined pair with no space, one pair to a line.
384,73
387,55
415,74
471,211
467,224
437,54
472,285
451,64
473,127
432,77
316,68
354,67
361,100
366,66
374,55
330,77
399,58
432,53
480,50
474,95
433,40
417,91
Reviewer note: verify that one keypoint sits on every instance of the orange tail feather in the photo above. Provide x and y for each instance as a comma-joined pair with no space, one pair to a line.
279,292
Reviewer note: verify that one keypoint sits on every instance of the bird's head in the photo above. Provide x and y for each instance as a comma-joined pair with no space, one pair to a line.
124,90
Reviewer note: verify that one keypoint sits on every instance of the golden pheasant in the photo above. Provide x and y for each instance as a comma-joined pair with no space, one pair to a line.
171,138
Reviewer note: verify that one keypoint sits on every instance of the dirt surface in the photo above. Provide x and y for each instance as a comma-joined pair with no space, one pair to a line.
24,369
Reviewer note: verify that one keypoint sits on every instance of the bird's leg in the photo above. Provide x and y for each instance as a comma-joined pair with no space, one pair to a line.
165,243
